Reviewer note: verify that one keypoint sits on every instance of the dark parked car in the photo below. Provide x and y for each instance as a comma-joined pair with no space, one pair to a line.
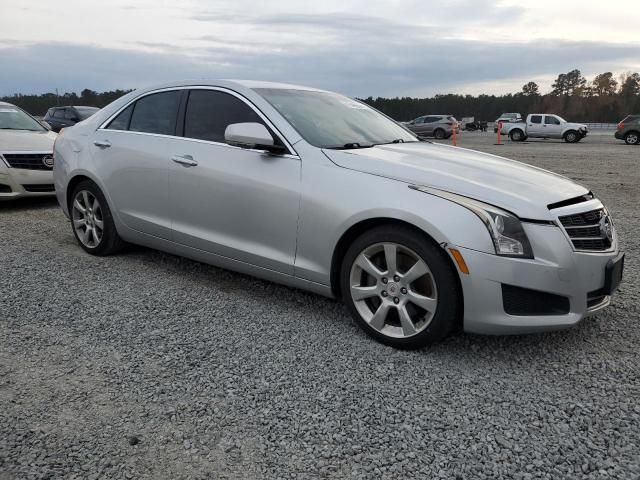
62,117
438,126
629,130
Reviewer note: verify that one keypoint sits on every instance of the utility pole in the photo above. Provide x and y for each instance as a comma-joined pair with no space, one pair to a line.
57,98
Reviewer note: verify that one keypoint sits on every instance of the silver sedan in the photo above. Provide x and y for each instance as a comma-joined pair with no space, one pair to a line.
318,191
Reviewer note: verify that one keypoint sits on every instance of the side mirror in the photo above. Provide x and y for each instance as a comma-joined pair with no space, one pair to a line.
251,135
74,119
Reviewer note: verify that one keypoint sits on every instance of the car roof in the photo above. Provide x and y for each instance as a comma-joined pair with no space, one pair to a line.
7,104
230,83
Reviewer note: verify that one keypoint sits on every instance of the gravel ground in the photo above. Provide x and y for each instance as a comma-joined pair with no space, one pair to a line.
144,365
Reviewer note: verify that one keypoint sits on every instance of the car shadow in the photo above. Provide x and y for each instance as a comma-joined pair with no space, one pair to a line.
28,204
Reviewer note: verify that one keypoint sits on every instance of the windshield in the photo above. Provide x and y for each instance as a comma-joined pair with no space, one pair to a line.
86,112
329,120
12,118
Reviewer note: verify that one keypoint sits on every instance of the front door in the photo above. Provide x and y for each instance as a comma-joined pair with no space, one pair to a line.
553,126
238,203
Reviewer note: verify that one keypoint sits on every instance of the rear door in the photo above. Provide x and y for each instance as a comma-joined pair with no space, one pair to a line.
535,126
234,202
131,156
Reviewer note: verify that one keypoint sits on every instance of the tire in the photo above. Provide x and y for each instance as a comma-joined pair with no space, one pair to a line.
439,133
382,302
91,222
632,138
517,135
572,136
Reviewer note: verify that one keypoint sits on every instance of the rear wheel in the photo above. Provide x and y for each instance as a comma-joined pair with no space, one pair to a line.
439,133
572,136
400,287
92,221
632,138
517,135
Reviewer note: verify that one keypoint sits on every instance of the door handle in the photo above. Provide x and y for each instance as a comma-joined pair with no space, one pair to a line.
185,160
102,143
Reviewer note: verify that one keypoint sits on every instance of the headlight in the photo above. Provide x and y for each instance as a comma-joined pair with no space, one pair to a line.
505,229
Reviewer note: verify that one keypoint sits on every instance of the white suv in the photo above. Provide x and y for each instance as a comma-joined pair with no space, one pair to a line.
26,155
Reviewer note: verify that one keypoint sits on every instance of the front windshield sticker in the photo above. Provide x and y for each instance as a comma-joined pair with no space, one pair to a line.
353,104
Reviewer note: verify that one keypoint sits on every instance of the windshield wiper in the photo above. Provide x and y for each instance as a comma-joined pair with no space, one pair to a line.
351,146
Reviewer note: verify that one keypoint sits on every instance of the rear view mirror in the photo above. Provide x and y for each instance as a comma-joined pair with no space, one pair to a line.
251,135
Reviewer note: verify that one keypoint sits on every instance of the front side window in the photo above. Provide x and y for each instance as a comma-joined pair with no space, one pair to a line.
70,114
329,120
59,113
536,118
550,120
156,113
12,118
210,112
121,122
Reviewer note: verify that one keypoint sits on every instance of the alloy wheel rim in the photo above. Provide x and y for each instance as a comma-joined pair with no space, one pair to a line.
632,138
393,290
572,137
88,222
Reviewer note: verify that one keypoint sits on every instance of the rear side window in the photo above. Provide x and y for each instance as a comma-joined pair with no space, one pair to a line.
121,122
59,113
156,113
536,118
70,114
209,112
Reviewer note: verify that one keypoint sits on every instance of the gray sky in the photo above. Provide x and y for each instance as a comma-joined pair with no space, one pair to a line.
357,47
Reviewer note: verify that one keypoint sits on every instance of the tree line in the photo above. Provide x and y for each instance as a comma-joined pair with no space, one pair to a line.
602,99
39,104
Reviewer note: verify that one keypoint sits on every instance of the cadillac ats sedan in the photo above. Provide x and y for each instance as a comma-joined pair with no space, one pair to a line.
315,190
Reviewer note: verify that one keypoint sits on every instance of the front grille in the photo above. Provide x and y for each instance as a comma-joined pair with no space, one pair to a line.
526,302
39,188
590,231
29,161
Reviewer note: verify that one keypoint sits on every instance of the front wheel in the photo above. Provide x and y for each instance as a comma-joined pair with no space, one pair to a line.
92,221
632,138
572,136
400,287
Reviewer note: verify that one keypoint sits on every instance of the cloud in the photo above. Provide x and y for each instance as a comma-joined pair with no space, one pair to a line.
359,55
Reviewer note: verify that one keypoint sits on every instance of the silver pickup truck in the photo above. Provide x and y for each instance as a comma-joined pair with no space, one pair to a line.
540,125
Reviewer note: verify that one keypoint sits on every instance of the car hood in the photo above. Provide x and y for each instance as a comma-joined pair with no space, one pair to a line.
26,141
514,186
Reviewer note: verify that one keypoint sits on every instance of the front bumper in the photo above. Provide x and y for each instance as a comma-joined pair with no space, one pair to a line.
557,269
18,182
